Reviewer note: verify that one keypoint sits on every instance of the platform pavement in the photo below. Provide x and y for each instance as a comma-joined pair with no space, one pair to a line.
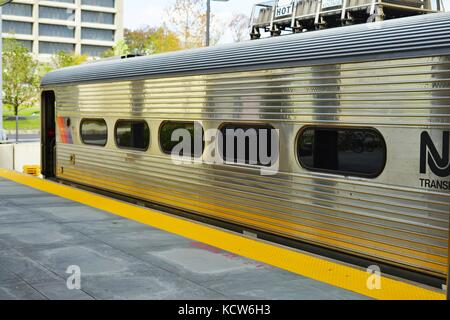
42,235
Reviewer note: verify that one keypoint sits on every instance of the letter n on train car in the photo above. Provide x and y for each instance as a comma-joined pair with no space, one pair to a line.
431,157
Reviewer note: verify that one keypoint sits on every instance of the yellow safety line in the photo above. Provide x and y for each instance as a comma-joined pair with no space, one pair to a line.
322,270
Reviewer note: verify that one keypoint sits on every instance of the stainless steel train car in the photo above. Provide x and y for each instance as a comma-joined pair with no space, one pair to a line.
362,113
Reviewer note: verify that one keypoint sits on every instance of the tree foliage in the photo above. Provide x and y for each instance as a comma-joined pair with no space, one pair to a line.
163,40
147,40
64,59
119,49
138,41
188,18
239,26
20,77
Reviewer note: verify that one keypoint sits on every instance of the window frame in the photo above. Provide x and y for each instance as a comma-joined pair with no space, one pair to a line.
90,144
268,125
128,148
337,172
192,155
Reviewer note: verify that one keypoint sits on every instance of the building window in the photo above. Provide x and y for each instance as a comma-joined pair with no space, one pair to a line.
167,131
64,1
245,144
97,17
56,13
16,27
94,132
93,51
132,134
97,34
99,3
18,9
344,151
50,30
55,47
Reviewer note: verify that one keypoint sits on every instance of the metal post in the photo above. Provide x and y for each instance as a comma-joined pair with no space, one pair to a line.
2,133
17,128
208,22
344,10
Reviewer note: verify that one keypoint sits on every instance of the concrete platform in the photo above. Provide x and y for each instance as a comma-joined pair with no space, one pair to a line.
41,235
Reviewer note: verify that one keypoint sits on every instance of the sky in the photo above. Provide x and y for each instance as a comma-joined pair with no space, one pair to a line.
152,12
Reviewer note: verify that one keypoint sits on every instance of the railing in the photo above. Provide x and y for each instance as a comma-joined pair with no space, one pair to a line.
279,16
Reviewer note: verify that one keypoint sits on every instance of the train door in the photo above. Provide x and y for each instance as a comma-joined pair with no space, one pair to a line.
48,134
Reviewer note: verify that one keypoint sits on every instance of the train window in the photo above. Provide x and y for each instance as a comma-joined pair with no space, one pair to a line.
352,152
132,134
94,132
246,144
166,133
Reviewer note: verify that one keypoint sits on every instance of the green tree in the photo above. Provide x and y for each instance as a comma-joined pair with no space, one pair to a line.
64,59
147,40
163,40
138,41
119,49
20,77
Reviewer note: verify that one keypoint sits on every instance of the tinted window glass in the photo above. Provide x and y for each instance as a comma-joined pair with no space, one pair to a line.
132,134
167,130
358,152
94,132
249,144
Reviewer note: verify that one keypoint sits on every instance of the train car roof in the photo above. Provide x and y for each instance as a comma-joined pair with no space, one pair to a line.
424,35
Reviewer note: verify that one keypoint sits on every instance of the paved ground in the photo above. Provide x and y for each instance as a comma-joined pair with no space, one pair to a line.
42,235
24,137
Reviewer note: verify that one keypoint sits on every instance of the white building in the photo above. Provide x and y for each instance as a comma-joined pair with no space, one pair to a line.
49,26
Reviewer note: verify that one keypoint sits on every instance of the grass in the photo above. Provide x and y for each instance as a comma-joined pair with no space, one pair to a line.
7,112
28,124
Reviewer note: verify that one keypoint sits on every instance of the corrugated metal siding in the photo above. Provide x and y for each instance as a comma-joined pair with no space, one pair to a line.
414,36
389,218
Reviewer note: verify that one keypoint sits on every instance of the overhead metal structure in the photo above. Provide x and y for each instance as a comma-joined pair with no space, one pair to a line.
298,16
